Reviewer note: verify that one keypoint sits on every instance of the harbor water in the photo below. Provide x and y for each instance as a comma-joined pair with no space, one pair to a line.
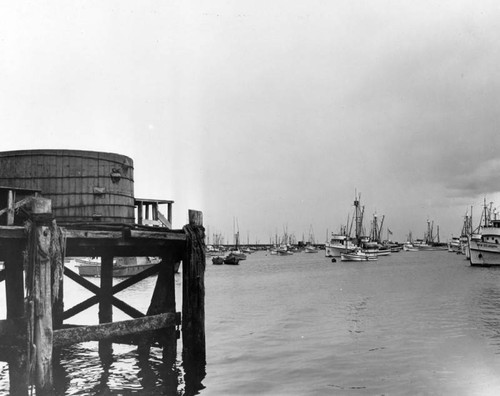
412,323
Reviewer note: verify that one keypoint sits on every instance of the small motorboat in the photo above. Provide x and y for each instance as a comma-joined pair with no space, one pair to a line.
232,259
358,255
218,260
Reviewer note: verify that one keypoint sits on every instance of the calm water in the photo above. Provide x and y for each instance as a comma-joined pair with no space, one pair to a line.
413,323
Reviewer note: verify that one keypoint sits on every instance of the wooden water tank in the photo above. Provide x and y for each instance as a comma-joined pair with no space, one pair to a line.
83,185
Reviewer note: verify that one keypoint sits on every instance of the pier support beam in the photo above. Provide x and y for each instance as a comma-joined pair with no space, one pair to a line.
39,284
106,307
14,290
193,302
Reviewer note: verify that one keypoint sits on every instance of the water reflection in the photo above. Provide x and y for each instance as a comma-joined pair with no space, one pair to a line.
487,300
79,370
194,374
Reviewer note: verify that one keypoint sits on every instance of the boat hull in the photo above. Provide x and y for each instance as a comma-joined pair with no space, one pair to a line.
336,251
358,257
122,267
484,254
118,271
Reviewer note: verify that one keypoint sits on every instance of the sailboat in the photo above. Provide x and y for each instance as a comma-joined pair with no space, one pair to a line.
236,252
310,246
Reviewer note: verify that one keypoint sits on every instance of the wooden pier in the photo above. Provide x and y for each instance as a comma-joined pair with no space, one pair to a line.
37,322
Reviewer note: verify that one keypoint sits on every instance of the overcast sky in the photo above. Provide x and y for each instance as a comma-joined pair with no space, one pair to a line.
270,113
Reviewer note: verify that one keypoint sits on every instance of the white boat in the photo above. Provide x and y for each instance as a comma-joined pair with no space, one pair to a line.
339,244
421,245
358,255
122,266
486,250
408,247
454,245
283,250
310,249
374,248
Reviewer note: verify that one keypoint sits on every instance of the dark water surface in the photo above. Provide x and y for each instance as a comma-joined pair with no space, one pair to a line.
413,323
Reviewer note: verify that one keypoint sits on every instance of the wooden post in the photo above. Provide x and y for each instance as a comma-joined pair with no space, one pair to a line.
163,301
193,303
14,289
57,278
140,213
10,206
106,307
40,273
155,210
169,213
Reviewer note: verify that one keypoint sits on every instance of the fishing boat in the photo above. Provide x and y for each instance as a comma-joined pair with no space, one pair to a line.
122,266
408,247
373,248
338,244
341,242
486,250
358,255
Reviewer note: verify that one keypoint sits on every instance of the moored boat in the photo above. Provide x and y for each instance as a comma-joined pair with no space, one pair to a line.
408,247
122,266
310,249
232,259
486,250
454,245
218,260
338,244
358,255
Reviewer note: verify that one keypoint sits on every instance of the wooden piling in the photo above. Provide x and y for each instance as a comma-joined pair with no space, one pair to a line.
193,291
106,307
41,294
14,290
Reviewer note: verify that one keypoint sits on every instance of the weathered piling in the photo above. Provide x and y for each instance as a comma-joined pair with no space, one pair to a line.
39,295
193,303
14,290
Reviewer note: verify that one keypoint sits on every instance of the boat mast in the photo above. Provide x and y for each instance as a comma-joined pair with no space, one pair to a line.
358,217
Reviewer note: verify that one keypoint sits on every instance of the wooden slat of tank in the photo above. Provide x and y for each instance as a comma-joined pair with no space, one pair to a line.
51,183
58,183
89,200
104,171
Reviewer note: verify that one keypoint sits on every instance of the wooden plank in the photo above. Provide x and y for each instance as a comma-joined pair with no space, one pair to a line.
75,310
81,281
14,281
164,220
106,293
136,278
166,235
12,232
106,308
64,337
124,307
92,234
